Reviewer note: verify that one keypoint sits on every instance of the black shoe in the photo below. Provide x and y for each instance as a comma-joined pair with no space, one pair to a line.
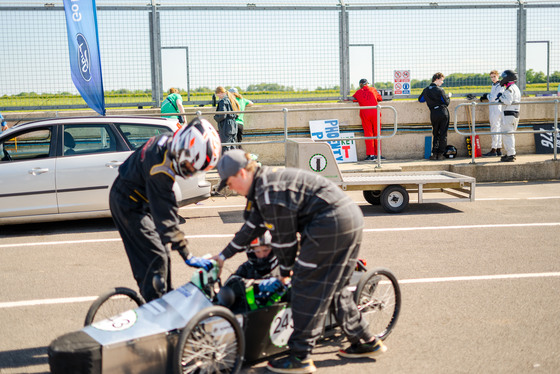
371,158
358,350
491,153
498,152
508,158
291,364
383,158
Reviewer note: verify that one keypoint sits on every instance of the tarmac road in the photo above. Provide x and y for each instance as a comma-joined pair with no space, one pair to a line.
480,281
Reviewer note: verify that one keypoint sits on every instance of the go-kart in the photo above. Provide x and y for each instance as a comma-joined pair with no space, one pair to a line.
189,330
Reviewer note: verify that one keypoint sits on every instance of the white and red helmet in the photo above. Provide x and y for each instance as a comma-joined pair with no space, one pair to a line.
197,143
264,239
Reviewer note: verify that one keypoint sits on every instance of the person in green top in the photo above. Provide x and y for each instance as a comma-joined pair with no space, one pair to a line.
242,104
173,104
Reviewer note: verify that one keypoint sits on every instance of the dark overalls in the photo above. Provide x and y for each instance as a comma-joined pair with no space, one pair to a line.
291,201
145,211
437,101
227,127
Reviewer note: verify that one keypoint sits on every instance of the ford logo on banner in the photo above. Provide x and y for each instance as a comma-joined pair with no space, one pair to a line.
83,57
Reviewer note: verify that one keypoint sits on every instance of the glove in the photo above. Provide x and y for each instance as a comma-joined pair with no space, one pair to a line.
450,94
498,97
199,262
270,285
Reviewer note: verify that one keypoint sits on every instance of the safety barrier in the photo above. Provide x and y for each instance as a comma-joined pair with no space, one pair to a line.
472,106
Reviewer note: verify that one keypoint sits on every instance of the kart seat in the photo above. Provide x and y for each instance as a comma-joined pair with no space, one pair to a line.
69,143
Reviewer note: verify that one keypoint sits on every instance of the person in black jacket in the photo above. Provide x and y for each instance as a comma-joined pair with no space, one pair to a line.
437,101
144,206
227,126
288,202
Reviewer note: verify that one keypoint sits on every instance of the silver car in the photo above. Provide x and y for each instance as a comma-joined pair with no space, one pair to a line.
60,169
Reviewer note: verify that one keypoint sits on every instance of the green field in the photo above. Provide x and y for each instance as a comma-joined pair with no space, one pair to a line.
53,100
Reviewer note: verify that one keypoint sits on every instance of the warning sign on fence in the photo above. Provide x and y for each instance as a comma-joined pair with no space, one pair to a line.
401,82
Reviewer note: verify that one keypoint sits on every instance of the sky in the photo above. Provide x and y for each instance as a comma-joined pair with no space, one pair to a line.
291,48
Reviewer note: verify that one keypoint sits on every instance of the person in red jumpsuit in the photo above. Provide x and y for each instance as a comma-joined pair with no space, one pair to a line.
368,96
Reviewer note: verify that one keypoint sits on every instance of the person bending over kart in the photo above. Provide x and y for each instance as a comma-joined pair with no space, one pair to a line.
291,201
144,207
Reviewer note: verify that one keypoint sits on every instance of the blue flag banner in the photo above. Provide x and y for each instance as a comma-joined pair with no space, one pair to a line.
83,46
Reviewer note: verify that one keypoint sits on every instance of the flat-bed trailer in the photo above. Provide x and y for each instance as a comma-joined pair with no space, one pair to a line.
389,189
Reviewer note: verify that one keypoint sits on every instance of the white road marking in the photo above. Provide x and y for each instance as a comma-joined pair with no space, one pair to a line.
211,207
61,242
480,277
27,303
66,300
363,202
388,229
506,225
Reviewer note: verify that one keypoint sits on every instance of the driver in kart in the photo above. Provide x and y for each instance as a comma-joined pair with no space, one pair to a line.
289,201
144,206
260,270
261,261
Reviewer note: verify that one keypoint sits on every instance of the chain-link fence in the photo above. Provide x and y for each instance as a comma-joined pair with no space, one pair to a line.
275,51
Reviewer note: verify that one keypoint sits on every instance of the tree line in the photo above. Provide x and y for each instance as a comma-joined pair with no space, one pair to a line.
460,80
451,80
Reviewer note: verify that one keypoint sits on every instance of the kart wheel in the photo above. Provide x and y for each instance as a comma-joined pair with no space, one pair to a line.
111,303
212,342
372,196
378,297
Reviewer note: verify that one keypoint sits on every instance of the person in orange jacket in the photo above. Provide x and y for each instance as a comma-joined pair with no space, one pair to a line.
368,96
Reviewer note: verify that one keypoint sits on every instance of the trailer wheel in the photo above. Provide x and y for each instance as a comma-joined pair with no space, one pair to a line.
111,303
212,342
394,199
372,196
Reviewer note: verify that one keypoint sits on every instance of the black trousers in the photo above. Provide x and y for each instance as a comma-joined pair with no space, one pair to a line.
146,253
239,133
327,259
440,125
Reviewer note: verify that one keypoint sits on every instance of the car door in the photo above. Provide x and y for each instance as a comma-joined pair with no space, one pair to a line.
27,173
87,167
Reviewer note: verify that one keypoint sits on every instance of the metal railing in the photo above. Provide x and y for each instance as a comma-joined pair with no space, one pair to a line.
286,111
472,106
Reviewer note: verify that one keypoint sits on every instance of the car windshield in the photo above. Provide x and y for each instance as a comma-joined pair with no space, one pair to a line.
32,144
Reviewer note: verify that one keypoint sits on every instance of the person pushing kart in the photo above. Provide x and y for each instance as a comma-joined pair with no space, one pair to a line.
144,207
291,201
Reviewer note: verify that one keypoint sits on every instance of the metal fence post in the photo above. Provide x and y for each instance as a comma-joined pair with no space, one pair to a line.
155,54
344,52
522,46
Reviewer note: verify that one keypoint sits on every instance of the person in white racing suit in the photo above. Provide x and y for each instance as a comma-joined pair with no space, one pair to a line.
510,115
495,114
288,202
144,206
